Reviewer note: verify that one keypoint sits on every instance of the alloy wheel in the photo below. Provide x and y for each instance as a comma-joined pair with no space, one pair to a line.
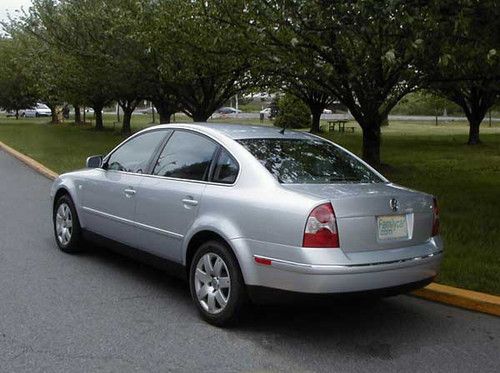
64,224
212,283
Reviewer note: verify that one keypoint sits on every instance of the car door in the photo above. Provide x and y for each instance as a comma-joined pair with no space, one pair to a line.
109,196
168,200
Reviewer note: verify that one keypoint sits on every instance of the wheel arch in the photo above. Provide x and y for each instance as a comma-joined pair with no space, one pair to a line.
199,238
59,193
66,187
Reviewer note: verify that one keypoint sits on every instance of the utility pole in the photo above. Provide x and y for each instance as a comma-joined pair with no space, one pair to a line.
117,113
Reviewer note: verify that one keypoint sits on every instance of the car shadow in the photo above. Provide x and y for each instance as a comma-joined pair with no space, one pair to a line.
362,328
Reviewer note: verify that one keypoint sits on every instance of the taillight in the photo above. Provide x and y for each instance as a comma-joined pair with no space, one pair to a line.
321,228
435,217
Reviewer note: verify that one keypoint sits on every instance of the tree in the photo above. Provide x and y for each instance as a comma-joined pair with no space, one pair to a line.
204,61
425,102
466,64
314,97
287,75
80,31
366,51
16,87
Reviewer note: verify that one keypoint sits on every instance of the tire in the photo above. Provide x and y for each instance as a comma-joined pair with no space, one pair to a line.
213,284
65,219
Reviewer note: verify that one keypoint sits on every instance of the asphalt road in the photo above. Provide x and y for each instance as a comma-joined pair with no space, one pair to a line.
102,312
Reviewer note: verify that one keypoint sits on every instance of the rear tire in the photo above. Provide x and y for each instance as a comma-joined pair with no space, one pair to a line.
67,230
216,284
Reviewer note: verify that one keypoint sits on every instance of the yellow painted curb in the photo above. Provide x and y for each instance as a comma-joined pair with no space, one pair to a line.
40,168
471,300
468,299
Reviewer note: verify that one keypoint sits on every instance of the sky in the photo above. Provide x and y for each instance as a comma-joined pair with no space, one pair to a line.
10,6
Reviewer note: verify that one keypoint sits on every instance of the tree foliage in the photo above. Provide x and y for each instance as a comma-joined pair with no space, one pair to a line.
17,89
196,55
292,113
366,51
465,63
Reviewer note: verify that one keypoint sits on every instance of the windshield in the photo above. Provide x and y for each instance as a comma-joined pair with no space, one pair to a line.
308,161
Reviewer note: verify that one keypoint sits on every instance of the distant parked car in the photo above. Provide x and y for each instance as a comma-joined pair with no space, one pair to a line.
242,210
147,110
227,110
40,110
327,111
266,112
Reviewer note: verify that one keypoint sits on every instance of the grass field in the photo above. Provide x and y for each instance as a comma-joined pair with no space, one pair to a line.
423,156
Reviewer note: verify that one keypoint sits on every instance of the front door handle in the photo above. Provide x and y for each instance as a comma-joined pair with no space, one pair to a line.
190,202
129,192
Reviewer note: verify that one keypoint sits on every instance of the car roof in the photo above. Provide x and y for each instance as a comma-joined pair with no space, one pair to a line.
242,131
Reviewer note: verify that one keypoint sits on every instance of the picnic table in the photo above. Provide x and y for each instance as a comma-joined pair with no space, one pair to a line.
339,122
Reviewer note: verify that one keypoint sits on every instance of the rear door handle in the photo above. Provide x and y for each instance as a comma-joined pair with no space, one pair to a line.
190,202
129,192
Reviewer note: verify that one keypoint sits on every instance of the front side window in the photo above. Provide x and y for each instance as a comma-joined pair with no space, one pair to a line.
226,169
135,154
308,161
186,156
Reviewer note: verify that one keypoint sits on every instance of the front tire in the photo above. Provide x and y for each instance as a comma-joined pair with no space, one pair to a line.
67,230
216,284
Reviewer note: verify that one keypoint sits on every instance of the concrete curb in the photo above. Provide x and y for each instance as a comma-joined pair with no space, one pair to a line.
471,300
38,167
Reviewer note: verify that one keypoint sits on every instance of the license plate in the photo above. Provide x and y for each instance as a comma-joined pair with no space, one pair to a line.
392,227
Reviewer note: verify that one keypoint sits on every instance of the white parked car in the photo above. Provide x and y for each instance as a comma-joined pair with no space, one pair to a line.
266,112
40,110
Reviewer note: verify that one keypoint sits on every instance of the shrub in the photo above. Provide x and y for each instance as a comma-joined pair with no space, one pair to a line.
292,113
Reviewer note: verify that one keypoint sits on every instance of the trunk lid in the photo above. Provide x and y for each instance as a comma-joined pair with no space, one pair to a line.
358,208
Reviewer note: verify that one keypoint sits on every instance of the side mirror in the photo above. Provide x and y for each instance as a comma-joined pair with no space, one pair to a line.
94,161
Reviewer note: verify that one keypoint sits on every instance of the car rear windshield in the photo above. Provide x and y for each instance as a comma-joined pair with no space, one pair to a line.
308,161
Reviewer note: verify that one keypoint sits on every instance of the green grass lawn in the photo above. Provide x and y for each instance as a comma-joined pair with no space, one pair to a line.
423,156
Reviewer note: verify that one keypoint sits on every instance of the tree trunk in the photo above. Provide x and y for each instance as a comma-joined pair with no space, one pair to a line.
54,114
127,117
200,116
17,114
371,143
164,109
474,132
78,115
316,119
99,125
475,114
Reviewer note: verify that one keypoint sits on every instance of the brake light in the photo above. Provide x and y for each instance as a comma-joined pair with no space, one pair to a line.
435,217
321,228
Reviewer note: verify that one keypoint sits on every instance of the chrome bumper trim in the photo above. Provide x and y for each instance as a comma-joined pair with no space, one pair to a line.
323,269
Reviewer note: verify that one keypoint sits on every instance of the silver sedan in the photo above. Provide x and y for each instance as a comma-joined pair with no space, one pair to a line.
248,212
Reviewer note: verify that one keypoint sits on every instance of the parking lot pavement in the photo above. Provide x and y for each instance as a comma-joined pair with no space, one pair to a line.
102,312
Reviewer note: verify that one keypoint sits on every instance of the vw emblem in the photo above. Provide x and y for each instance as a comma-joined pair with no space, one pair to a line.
394,203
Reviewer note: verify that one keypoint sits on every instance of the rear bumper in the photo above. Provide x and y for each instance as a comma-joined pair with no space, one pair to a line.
396,268
266,295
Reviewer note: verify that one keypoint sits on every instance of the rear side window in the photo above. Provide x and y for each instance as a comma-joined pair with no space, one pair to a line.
135,154
226,169
186,156
308,161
